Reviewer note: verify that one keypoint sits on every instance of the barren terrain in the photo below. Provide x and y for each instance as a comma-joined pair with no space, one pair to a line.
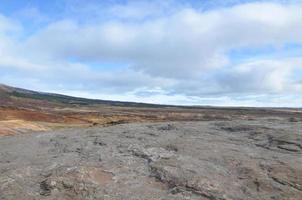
23,111
85,149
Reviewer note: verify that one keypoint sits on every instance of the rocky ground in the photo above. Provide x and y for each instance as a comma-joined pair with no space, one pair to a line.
227,159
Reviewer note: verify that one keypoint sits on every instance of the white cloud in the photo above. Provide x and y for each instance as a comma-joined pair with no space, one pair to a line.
258,76
7,25
169,46
183,54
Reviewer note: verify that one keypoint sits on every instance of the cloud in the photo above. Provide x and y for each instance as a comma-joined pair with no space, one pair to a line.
257,76
182,52
7,25
169,46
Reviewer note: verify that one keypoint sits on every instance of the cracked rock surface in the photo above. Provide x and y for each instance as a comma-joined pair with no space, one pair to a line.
217,160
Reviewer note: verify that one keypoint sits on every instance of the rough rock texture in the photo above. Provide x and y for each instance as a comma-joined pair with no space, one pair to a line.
256,159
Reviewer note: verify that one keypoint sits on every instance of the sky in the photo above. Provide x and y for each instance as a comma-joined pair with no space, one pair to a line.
206,52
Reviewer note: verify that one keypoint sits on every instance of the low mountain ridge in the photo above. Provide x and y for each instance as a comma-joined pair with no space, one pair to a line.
23,111
14,93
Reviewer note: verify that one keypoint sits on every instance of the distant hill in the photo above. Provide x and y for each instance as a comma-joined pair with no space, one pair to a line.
10,94
24,111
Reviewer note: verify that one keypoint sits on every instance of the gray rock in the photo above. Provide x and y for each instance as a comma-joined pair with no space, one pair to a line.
258,159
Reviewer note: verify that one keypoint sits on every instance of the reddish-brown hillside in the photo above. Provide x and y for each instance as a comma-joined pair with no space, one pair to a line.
25,111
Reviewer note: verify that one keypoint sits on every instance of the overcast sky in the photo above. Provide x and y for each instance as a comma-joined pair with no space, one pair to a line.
227,53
